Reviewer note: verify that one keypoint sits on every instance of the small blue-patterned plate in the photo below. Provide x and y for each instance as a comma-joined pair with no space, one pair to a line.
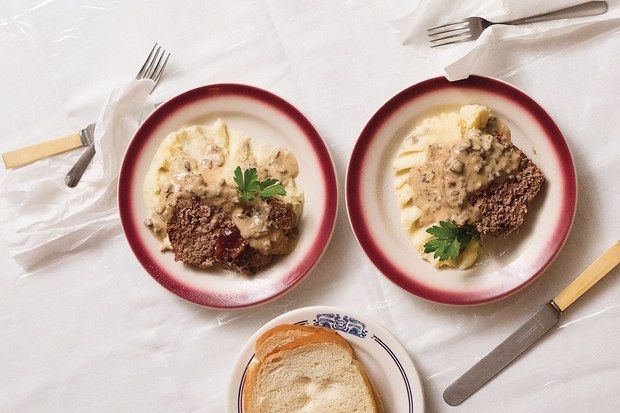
386,361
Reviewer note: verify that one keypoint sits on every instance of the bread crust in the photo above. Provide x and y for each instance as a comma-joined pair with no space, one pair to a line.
262,340
249,387
371,385
320,337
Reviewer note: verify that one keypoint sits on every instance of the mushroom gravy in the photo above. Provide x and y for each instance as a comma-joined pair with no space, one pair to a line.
451,173
255,226
198,162
281,165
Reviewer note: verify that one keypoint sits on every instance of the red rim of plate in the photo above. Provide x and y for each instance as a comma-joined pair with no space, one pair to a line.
355,194
128,179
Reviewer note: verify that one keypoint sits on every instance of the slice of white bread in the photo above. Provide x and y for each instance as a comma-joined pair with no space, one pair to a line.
314,372
275,337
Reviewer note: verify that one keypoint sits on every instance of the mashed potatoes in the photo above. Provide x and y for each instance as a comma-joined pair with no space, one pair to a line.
201,160
446,128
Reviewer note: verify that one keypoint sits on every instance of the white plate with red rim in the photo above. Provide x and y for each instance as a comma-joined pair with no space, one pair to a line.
386,361
268,119
508,264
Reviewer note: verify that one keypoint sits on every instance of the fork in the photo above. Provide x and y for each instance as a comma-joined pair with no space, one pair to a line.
153,69
471,28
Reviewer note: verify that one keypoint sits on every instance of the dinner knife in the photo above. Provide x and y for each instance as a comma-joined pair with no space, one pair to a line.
24,156
75,173
541,322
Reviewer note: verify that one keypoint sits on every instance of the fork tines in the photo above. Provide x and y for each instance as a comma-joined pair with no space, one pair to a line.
449,33
154,65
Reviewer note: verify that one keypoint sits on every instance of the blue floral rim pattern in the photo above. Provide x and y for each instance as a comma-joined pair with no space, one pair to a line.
345,324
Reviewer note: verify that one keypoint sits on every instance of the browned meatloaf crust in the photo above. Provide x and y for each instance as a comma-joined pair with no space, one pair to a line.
282,216
202,234
503,204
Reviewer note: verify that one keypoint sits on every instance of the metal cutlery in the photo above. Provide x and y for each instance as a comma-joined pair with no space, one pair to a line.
471,28
153,69
541,322
24,156
83,138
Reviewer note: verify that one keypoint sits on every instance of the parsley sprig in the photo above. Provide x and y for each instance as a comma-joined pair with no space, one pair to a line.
250,187
449,240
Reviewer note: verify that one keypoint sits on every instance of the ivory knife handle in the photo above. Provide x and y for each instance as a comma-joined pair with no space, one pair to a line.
29,154
593,274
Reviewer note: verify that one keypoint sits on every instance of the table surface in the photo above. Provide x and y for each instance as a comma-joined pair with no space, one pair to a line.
93,332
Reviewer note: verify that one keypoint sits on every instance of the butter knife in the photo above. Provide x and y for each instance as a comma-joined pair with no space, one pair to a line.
24,156
153,69
541,322
75,174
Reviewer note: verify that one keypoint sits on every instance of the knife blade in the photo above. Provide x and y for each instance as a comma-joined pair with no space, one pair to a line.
545,319
542,321
75,173
87,134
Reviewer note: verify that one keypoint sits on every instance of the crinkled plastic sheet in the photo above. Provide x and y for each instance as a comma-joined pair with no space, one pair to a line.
94,332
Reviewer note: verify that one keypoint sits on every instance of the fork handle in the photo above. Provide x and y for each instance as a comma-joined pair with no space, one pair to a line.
590,8
75,174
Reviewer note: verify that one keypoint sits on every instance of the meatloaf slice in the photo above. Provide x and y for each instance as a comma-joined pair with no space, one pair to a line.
203,234
503,204
193,231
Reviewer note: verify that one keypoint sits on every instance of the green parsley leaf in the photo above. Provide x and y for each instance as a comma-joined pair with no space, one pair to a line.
239,179
449,240
272,190
250,187
268,182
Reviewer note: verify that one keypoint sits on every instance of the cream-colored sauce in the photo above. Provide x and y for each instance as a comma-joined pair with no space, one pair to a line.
281,165
451,173
199,161
253,223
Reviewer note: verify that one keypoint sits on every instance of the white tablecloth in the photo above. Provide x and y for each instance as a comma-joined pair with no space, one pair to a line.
93,332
